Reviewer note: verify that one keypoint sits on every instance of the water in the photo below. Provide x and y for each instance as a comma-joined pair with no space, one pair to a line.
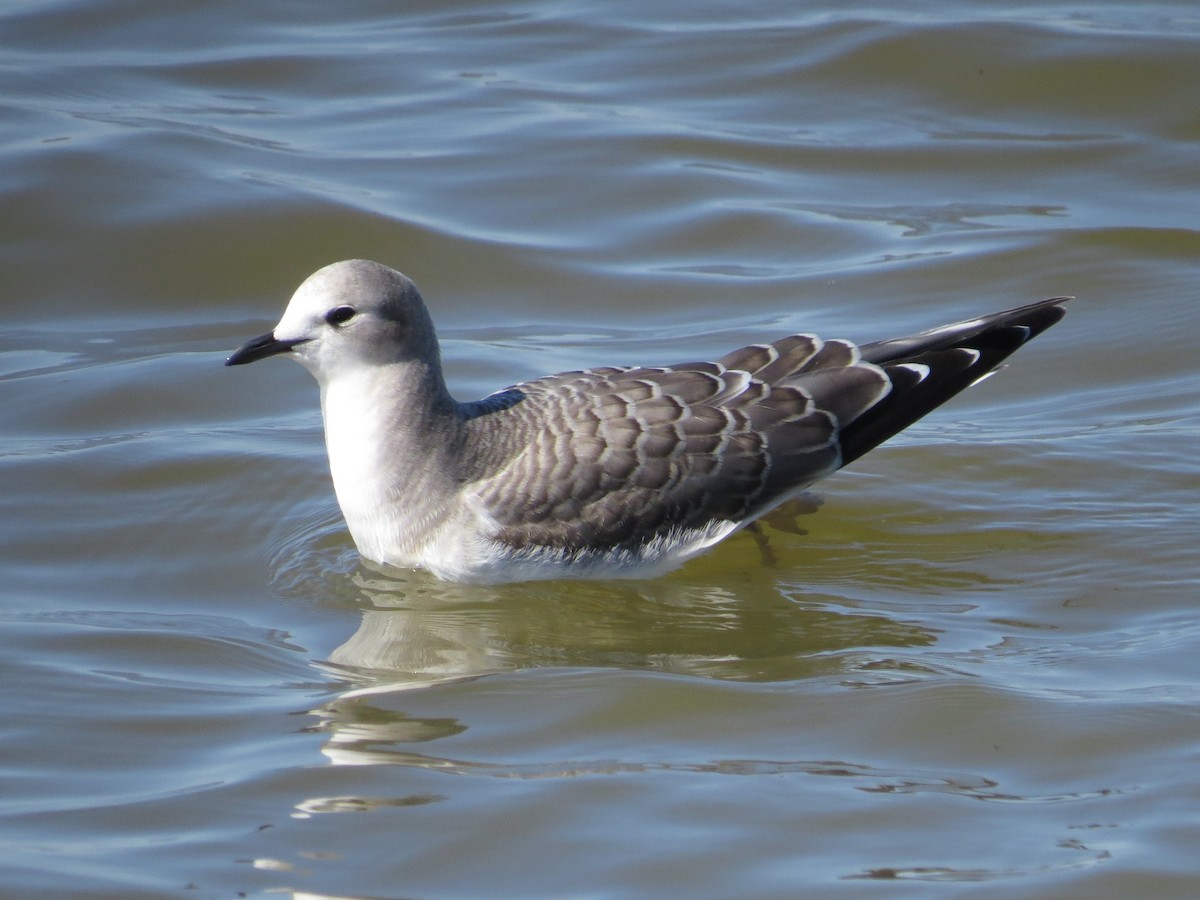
967,665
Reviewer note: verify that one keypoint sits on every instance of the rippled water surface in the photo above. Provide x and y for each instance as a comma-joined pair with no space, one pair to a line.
966,665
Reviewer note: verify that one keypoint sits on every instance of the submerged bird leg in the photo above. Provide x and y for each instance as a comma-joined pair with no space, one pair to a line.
786,516
763,543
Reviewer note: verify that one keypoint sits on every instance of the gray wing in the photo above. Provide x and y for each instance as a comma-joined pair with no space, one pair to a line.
615,457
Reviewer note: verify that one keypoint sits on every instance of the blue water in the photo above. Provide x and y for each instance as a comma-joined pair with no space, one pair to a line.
966,665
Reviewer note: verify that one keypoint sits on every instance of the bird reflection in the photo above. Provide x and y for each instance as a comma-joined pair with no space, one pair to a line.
418,633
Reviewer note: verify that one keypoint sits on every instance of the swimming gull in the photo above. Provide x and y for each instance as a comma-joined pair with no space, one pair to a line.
608,472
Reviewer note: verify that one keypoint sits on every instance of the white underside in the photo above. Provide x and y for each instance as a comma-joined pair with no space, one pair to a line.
470,556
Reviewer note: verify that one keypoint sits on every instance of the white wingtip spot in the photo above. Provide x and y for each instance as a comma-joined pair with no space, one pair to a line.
968,325
986,375
919,369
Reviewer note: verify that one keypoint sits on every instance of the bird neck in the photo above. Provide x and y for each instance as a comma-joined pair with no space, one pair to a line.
391,432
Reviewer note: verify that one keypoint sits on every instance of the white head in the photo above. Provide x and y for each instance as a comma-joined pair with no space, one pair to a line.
347,316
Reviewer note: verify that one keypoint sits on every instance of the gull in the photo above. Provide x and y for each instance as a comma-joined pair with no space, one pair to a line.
613,472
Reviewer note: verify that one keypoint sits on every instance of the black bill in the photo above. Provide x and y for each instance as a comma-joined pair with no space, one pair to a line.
260,348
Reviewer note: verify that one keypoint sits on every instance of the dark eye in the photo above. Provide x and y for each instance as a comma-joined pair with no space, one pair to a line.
340,315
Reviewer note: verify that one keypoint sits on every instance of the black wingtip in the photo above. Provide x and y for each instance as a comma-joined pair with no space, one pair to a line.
928,369
1036,317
